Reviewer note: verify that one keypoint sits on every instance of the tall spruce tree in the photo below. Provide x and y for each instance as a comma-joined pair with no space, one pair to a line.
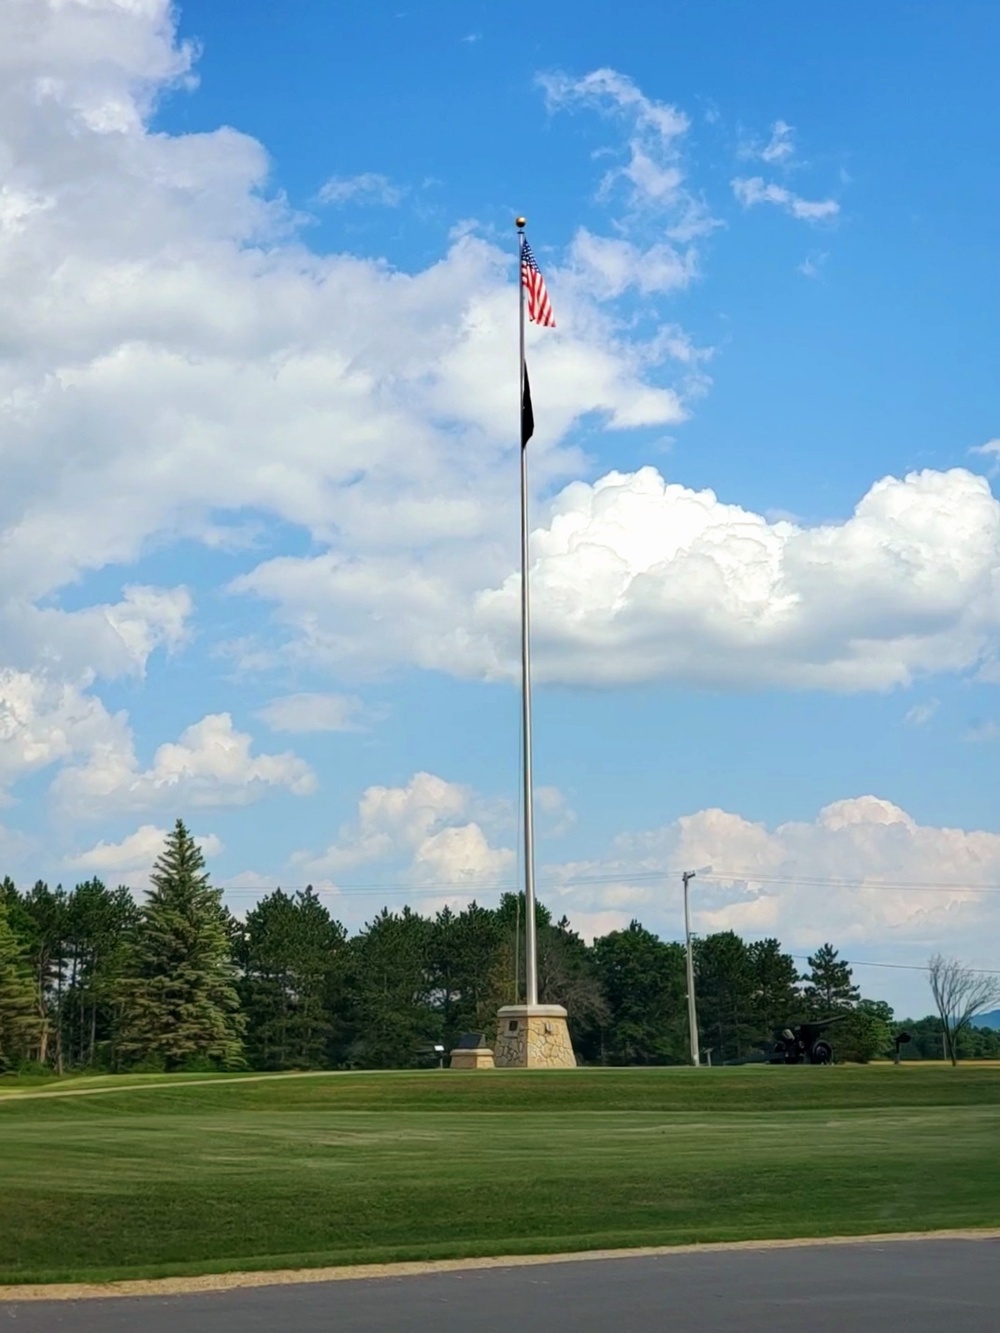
180,1004
18,1010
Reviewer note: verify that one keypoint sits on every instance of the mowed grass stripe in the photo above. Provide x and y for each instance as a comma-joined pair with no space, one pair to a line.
198,1179
738,1089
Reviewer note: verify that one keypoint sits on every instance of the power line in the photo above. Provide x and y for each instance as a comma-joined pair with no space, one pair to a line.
900,967
716,877
809,881
443,888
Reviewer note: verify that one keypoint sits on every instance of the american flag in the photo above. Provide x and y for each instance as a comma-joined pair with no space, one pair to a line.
539,305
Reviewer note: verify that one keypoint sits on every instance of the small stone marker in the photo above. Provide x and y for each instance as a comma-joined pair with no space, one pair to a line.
471,1052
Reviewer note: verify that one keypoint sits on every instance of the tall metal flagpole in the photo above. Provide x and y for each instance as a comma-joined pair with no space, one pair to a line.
687,877
530,945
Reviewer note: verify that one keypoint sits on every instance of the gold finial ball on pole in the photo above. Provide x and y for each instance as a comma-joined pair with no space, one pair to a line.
520,223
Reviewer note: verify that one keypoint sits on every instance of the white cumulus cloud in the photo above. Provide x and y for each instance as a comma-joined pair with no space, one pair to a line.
44,722
211,764
176,359
863,874
634,579
428,825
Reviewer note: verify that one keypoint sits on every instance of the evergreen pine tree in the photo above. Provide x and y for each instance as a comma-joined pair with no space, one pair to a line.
390,1018
776,1001
101,923
829,987
466,952
724,986
643,981
290,955
180,1004
42,927
18,1011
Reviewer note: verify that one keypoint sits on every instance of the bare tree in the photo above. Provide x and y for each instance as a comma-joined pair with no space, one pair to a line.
959,993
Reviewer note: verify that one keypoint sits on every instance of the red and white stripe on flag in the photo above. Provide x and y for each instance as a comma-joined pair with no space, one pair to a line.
539,305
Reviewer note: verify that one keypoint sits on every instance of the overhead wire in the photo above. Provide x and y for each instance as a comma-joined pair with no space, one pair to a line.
360,888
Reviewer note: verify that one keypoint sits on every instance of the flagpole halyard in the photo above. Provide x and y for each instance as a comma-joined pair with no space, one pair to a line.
530,941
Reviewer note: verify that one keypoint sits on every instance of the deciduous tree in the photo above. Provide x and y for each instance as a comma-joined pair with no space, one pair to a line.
959,994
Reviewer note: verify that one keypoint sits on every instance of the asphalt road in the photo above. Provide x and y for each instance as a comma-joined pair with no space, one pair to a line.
920,1287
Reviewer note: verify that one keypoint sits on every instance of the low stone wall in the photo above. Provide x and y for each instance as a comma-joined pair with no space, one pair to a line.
479,1058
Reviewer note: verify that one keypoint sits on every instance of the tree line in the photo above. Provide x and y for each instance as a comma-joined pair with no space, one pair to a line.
92,980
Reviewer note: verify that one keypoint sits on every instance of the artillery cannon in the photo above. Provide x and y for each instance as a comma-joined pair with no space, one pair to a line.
804,1044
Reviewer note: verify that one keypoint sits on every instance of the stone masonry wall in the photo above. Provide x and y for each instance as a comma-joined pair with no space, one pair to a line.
539,1043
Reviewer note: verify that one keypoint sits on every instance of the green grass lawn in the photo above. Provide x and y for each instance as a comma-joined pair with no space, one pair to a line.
208,1175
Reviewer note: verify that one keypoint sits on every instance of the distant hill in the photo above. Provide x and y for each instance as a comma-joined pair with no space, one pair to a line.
990,1020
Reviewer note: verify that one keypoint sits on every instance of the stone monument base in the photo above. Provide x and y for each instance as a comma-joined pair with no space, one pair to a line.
480,1057
533,1036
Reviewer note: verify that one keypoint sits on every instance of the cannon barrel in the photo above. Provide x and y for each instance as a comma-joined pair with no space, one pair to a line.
813,1029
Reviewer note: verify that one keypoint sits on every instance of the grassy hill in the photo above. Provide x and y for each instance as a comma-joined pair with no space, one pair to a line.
101,1179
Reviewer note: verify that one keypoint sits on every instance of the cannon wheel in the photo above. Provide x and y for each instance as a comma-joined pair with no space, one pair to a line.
821,1053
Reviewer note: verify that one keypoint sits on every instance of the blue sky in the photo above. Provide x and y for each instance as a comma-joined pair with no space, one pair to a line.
258,386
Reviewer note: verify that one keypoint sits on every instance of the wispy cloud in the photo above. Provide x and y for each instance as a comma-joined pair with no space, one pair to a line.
370,187
812,265
557,815
654,171
920,714
983,730
753,190
612,265
779,149
303,713
991,449
781,145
